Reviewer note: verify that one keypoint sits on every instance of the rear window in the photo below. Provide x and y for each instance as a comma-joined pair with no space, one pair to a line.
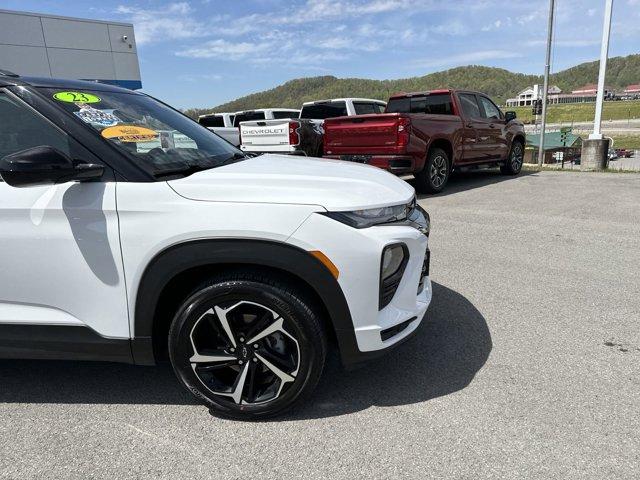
278,115
247,117
364,108
321,111
211,121
436,104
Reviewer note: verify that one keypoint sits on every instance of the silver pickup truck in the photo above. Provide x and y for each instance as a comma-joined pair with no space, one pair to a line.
222,125
301,135
225,124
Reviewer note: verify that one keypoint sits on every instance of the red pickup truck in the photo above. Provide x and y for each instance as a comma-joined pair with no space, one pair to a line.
429,134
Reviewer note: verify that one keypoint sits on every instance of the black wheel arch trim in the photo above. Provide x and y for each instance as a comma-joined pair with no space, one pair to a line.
295,261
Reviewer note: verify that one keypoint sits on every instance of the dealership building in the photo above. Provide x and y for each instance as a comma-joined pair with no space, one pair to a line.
33,44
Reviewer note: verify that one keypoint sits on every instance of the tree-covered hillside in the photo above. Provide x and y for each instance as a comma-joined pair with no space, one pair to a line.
498,83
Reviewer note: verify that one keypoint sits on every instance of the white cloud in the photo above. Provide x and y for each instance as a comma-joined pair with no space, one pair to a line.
198,77
174,21
581,42
225,50
466,58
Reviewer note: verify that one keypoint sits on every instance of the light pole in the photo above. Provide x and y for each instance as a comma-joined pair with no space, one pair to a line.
545,87
595,150
604,54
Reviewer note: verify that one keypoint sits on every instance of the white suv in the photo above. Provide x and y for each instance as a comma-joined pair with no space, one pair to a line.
130,233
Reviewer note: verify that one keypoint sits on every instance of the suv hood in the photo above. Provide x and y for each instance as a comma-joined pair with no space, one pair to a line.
332,184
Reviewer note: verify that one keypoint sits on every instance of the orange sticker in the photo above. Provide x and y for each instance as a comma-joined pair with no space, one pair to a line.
127,133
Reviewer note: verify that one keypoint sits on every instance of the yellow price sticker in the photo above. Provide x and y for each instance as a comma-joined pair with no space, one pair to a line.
127,133
76,97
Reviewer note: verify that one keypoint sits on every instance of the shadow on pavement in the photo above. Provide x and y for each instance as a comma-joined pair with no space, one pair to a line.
450,346
462,181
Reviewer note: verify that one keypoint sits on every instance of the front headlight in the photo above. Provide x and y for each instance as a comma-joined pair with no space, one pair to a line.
371,216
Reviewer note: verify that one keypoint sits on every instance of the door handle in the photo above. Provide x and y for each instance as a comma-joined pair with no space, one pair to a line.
491,125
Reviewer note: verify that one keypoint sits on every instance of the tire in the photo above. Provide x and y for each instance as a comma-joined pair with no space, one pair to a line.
513,165
435,174
250,329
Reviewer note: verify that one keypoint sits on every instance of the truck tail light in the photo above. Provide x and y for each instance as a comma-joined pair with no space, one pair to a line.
294,137
404,131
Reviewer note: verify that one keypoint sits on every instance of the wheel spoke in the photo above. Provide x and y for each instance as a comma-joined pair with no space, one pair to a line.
222,316
285,377
197,358
276,326
239,385
251,382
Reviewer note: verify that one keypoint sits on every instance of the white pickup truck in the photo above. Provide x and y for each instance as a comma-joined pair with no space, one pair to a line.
302,135
225,124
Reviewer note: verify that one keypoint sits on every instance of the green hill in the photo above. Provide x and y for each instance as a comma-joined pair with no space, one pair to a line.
497,82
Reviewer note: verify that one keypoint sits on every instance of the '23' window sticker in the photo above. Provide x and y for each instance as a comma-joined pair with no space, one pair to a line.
77,97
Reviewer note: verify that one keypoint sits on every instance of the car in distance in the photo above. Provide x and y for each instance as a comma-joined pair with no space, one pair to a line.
303,135
428,135
222,125
133,234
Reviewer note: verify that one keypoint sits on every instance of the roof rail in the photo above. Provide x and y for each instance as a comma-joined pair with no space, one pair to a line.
7,73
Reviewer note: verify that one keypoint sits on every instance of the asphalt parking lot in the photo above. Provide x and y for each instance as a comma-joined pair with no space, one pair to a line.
527,366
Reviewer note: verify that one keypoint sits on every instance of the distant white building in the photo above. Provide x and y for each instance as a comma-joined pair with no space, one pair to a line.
530,94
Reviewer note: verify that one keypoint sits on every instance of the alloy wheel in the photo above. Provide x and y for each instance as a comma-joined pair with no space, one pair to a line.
438,171
517,157
243,353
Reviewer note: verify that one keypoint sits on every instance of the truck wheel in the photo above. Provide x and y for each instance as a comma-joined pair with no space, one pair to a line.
247,346
435,174
513,164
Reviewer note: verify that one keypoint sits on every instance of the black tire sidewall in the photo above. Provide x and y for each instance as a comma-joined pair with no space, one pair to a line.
300,321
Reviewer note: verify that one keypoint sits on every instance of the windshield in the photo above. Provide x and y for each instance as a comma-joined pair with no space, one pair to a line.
155,136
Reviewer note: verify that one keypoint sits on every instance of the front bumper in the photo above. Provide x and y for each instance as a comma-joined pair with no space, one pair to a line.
357,255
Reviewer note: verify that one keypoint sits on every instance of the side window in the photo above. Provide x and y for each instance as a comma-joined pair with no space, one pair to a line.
363,108
380,107
470,105
490,109
21,128
439,104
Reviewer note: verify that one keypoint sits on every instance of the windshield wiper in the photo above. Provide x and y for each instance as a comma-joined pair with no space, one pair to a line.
184,170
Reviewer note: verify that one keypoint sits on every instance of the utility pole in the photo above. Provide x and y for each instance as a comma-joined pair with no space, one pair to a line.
545,88
604,54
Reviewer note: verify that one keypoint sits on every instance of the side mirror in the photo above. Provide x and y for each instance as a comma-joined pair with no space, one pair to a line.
509,116
45,166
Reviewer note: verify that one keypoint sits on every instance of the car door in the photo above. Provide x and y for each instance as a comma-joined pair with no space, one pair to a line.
494,118
60,261
476,134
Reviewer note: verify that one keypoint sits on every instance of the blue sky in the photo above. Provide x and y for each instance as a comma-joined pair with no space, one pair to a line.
204,52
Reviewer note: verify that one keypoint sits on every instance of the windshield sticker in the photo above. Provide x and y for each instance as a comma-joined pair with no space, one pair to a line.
102,118
77,97
130,134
